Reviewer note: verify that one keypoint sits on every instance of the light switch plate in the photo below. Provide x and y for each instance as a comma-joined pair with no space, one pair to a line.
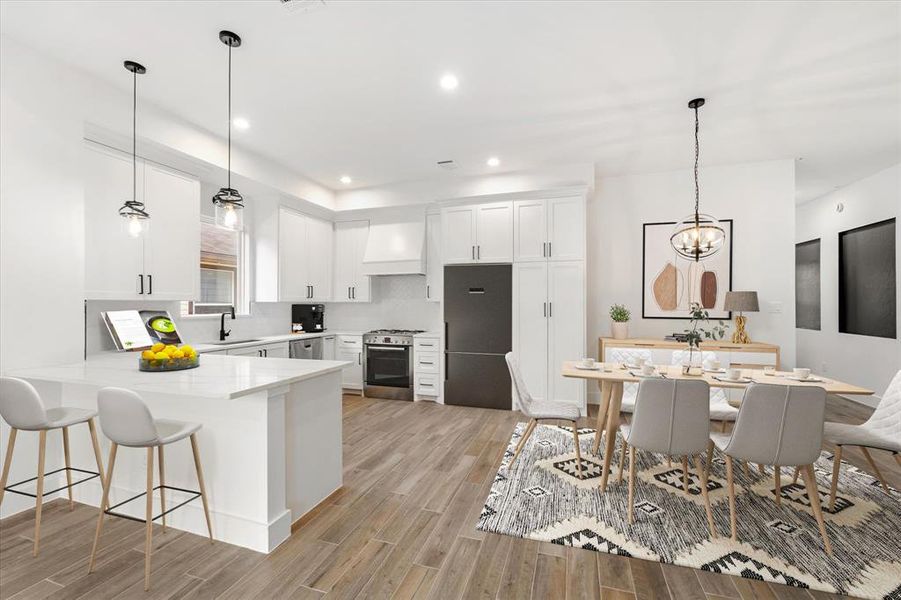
775,308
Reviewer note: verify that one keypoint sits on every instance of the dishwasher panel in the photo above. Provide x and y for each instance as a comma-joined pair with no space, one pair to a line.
310,349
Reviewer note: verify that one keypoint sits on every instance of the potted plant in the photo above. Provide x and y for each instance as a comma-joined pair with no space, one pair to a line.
620,316
697,333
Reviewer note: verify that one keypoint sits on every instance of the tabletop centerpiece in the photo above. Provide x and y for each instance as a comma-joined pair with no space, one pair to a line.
698,333
161,357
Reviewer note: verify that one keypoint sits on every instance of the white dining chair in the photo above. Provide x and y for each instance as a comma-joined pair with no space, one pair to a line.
23,410
882,431
778,425
540,410
671,417
126,421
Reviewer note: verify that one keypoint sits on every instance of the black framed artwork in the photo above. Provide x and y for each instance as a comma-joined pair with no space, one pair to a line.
867,280
807,285
670,283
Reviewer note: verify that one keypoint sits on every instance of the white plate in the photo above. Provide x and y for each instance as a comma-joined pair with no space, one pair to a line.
594,368
629,367
805,380
714,370
739,380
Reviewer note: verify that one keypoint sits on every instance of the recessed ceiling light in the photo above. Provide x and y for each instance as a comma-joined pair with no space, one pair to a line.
493,161
241,123
346,180
449,82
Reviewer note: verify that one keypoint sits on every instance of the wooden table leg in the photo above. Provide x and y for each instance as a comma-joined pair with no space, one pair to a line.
616,400
606,387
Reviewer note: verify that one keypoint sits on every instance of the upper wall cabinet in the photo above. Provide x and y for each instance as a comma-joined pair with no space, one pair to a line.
552,229
478,233
350,245
164,263
304,259
434,271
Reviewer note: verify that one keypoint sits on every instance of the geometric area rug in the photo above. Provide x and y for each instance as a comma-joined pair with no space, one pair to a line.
542,498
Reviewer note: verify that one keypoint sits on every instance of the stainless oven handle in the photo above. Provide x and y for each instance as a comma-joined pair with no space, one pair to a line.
390,348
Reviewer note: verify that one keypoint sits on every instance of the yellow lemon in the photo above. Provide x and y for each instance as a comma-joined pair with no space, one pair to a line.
148,355
170,349
157,347
192,355
187,349
178,354
161,356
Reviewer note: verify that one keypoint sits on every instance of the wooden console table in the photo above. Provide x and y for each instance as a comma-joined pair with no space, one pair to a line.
746,356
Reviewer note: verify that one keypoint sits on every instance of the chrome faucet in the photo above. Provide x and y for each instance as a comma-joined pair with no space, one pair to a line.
222,332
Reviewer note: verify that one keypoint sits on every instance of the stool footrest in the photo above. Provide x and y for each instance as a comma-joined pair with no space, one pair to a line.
93,475
109,511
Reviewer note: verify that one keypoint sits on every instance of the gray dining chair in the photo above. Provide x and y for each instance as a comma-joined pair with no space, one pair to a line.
671,417
720,410
882,431
22,408
782,426
126,421
540,410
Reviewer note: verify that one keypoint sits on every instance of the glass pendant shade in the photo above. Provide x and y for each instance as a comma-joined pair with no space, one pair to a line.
698,236
229,211
135,225
135,218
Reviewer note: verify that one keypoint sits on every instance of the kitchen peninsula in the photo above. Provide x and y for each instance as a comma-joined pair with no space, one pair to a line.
270,442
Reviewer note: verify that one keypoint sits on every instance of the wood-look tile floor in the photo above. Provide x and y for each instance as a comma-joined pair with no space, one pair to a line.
403,526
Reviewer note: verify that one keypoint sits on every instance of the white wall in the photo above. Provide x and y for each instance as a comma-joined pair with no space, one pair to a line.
863,360
759,197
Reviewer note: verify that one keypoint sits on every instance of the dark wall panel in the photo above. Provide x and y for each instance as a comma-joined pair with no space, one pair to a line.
866,280
807,285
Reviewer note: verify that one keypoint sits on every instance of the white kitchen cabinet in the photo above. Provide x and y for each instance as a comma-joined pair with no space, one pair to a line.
304,258
351,285
250,351
480,233
549,230
434,271
328,347
162,264
273,350
549,327
428,377
350,349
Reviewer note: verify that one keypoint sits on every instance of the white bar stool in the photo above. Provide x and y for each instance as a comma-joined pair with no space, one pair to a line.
127,421
22,408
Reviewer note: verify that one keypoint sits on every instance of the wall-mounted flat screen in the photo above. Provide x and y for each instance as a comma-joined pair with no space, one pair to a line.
807,285
866,280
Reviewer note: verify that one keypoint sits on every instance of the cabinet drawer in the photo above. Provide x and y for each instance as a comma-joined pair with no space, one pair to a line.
350,341
427,344
752,359
427,362
427,385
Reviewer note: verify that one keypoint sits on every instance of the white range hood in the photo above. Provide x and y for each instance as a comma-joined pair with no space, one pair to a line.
395,249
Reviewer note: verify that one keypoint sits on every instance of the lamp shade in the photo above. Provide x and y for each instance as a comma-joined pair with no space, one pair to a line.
741,302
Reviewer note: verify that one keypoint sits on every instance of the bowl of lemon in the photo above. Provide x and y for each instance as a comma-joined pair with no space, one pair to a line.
161,357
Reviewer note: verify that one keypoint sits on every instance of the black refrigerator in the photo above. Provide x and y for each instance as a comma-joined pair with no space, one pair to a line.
478,322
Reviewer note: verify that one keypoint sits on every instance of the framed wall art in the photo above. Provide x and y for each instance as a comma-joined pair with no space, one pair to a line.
670,283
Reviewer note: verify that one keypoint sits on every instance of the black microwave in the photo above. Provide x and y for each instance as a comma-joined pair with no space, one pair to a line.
307,318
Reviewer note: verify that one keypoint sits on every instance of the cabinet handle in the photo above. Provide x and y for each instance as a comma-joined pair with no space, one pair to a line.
544,309
141,279
478,253
149,284
424,362
544,249
348,292
550,249
354,292
473,253
266,352
550,309
359,358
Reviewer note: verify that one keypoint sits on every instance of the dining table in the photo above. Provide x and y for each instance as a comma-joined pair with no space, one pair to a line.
612,376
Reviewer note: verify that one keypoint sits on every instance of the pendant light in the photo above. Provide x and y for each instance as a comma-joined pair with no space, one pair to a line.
136,218
697,236
228,201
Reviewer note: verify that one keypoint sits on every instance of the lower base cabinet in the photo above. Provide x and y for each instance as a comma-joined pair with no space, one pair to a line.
350,348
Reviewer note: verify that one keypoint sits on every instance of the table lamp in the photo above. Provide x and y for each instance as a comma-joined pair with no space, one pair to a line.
741,302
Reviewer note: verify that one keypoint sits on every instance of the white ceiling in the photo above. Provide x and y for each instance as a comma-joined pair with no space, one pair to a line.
353,88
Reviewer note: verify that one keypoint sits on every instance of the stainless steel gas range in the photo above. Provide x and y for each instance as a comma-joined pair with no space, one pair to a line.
388,363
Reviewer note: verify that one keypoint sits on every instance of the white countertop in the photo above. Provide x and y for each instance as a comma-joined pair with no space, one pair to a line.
269,339
216,377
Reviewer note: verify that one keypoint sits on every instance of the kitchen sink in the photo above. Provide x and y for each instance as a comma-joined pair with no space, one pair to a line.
231,342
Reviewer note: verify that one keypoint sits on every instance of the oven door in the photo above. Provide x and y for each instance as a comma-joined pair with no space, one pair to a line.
389,366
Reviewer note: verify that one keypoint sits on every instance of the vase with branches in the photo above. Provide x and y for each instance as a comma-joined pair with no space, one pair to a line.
701,329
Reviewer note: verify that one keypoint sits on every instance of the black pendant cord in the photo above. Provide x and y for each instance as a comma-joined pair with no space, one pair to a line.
134,137
229,117
697,154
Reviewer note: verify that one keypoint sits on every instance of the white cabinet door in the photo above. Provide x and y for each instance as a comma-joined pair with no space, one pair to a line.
345,260
494,232
530,325
361,287
566,331
351,375
458,234
328,347
172,245
434,271
319,259
529,231
277,350
293,281
566,228
251,351
114,261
